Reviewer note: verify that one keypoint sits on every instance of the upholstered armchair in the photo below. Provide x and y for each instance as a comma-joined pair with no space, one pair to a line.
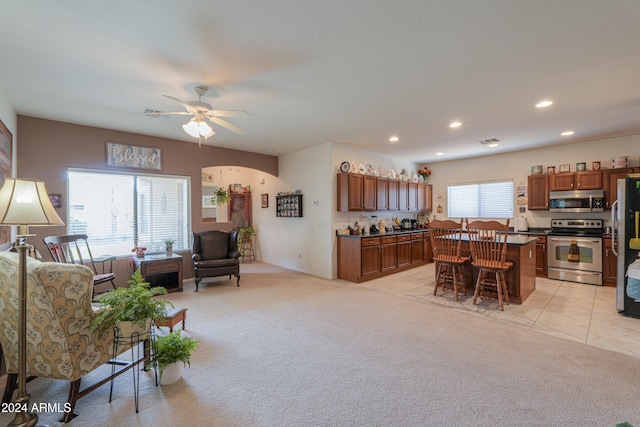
60,344
215,253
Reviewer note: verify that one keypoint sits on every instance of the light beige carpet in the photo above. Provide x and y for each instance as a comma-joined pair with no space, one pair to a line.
287,349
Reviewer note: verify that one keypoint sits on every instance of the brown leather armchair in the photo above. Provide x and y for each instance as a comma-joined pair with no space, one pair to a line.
215,253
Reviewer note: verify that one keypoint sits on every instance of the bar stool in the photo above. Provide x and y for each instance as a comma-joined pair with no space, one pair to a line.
446,239
488,242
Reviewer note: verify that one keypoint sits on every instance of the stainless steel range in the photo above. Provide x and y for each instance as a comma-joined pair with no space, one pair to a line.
587,234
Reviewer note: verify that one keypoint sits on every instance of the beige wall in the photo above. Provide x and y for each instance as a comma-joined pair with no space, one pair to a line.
47,148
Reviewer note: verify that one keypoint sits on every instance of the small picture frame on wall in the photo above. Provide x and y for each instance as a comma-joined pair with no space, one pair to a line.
56,200
564,168
265,200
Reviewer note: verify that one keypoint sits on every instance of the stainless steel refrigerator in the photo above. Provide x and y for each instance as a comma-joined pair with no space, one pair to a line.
625,216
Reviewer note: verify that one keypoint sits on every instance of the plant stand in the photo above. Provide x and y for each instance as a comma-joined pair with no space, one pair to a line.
133,338
246,249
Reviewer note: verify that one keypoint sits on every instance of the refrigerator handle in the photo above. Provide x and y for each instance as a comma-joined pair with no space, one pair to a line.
614,226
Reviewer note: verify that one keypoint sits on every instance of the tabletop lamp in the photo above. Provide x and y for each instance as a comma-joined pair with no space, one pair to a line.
24,202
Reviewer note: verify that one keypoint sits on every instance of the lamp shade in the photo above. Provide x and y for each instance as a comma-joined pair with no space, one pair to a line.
198,127
26,202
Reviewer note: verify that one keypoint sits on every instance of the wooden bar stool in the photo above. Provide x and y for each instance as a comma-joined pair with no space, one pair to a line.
488,242
446,239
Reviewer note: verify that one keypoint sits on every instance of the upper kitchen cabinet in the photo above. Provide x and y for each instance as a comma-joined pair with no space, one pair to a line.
356,192
382,194
587,180
610,179
425,196
538,197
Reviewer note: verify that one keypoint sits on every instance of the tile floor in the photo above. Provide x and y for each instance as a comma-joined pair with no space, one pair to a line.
574,311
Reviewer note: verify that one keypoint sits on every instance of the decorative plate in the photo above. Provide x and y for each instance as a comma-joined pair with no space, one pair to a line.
392,174
345,166
383,172
353,168
420,178
362,169
377,170
415,177
369,169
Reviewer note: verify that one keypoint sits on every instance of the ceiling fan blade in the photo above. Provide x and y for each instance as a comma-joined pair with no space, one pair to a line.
184,104
158,112
228,113
227,125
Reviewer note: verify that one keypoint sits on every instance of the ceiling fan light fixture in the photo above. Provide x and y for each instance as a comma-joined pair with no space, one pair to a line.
192,128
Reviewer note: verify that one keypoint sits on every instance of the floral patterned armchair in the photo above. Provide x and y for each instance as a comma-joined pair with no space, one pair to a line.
60,344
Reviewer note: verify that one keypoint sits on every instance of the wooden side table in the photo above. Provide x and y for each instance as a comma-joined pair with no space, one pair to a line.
161,270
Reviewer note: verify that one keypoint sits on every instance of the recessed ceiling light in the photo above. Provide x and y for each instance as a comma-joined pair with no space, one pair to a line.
567,133
494,144
269,150
394,139
440,154
455,124
543,104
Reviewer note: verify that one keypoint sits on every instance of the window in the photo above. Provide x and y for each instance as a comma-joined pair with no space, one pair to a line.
481,200
122,211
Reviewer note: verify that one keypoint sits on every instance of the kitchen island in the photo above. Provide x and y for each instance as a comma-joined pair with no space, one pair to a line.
366,257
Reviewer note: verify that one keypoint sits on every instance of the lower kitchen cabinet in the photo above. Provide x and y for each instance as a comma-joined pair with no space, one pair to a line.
541,256
403,250
609,264
388,257
362,258
417,248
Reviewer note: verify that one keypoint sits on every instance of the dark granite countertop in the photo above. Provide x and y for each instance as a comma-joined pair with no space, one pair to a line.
520,238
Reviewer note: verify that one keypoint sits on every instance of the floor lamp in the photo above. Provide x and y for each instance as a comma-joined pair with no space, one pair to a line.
24,202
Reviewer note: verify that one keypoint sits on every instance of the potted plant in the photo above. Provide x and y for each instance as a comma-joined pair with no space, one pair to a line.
221,197
246,233
169,351
132,308
169,245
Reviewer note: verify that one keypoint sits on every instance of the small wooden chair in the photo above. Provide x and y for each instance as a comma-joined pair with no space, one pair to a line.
73,248
488,242
446,242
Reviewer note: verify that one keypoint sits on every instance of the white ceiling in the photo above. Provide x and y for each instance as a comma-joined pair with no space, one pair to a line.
348,71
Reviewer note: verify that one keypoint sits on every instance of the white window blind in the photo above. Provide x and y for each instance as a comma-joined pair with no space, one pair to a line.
481,200
122,211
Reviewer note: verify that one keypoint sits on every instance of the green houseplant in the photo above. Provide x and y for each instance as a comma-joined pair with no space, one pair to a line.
221,196
172,349
133,304
169,245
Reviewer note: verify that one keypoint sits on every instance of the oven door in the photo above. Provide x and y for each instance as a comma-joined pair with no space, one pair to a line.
590,253
589,267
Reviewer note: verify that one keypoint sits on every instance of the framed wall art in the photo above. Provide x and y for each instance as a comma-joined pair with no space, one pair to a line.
133,157
6,141
265,200
565,168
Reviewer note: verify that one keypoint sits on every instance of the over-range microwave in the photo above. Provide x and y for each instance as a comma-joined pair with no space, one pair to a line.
576,201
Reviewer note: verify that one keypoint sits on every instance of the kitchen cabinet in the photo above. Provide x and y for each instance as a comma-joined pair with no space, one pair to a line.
428,249
356,192
412,202
403,251
610,181
538,192
541,256
417,248
370,251
609,263
388,258
362,258
382,194
393,195
403,195
425,198
587,180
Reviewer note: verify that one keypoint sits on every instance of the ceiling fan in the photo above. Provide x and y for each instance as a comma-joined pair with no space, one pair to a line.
202,113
